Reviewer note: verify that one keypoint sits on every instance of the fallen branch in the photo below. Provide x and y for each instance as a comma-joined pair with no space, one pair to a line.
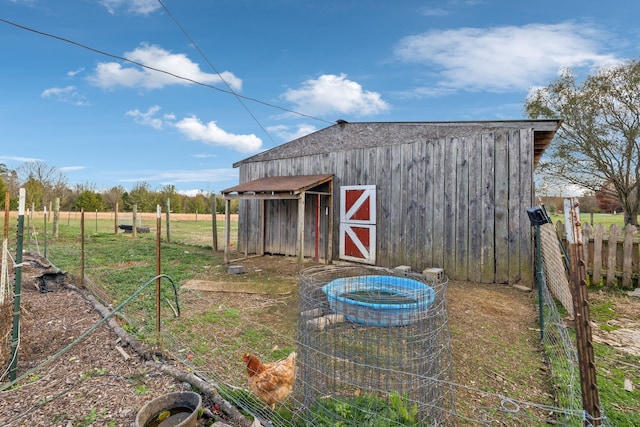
232,413
125,337
175,312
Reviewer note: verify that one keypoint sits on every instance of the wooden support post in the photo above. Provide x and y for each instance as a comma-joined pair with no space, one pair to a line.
262,226
301,209
214,223
316,252
584,339
227,229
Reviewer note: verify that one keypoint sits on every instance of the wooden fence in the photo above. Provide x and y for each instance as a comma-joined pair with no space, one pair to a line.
612,257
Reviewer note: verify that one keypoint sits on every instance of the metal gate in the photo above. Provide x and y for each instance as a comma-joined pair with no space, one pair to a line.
358,223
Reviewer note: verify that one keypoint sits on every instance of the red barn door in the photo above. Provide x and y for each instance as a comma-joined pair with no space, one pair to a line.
358,223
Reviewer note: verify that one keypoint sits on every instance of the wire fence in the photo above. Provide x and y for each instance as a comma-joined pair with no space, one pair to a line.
559,346
204,343
189,229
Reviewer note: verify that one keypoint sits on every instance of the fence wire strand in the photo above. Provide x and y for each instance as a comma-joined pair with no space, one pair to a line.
438,387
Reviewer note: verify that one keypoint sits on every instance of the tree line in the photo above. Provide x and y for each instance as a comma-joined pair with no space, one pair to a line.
44,183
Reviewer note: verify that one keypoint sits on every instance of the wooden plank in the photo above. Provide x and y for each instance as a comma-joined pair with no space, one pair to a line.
410,203
384,214
449,172
475,208
426,229
397,253
487,264
612,249
123,353
630,233
438,203
462,209
587,232
597,254
514,204
524,264
502,207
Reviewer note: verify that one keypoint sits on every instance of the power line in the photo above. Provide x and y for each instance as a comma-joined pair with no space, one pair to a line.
175,20
110,55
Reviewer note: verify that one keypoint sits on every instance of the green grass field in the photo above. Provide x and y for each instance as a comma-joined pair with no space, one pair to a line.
120,264
605,219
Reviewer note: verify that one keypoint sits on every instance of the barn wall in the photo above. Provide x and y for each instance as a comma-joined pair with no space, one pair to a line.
456,203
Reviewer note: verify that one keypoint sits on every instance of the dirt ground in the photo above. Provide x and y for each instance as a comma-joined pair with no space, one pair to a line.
90,381
94,383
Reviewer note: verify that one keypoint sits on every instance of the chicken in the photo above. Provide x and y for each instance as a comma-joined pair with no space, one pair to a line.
270,382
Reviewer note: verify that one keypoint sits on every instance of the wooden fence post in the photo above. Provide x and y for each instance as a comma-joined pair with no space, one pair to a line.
584,339
214,223
612,258
630,232
56,216
597,254
134,216
168,218
612,251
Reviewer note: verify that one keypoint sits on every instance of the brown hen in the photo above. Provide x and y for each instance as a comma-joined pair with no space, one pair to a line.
271,382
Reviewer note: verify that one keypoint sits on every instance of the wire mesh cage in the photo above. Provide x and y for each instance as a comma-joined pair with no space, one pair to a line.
375,341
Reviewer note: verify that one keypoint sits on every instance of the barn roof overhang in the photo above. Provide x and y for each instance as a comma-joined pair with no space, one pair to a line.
346,136
278,187
281,187
541,140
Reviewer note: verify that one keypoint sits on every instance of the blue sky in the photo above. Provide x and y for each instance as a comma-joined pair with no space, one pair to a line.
225,79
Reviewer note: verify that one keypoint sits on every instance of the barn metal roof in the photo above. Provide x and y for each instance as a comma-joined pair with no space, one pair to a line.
278,185
350,135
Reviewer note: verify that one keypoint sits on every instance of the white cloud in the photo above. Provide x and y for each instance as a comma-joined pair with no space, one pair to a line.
148,118
67,95
138,7
205,156
109,75
210,133
432,11
182,176
71,168
73,73
21,159
286,133
331,94
504,58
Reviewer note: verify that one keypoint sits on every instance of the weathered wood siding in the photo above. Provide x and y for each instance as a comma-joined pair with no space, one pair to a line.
458,203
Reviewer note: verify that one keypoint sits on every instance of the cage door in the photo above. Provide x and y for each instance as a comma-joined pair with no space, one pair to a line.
358,223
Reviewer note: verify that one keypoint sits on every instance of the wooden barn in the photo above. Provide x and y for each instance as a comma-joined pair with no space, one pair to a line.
449,195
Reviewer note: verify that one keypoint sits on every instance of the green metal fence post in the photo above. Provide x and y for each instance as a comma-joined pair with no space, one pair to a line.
16,292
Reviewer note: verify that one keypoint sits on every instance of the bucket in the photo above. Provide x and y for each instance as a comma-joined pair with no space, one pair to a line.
177,409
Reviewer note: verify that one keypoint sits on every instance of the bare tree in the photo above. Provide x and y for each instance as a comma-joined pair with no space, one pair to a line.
10,179
49,178
114,196
599,139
